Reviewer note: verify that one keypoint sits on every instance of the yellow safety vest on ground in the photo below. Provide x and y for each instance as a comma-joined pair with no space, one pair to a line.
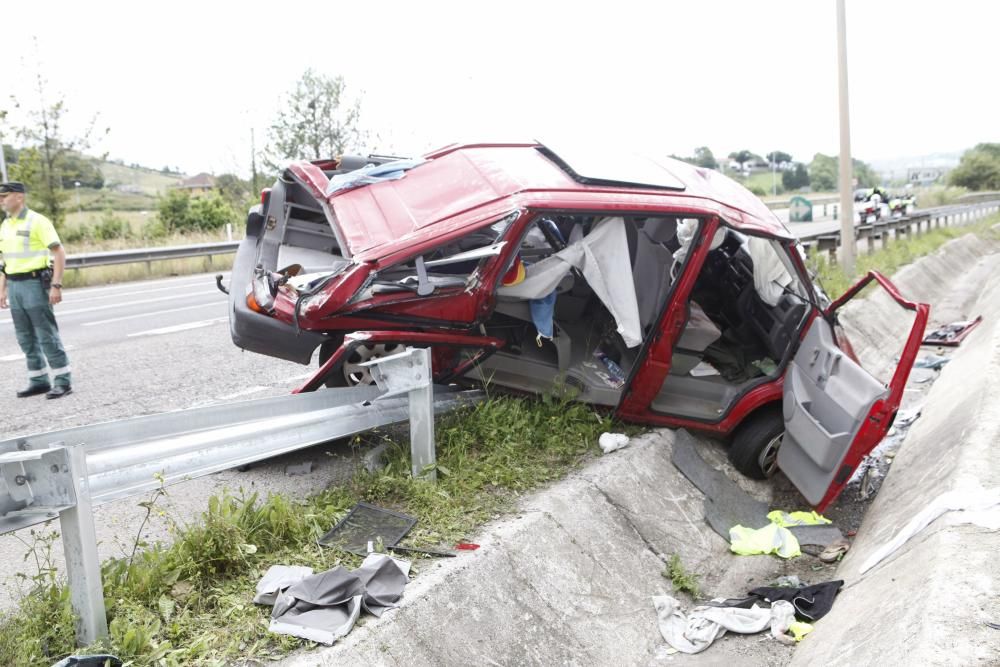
25,241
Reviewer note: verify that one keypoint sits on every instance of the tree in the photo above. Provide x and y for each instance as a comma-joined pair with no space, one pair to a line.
795,178
824,173
704,158
52,153
777,157
316,121
178,212
979,168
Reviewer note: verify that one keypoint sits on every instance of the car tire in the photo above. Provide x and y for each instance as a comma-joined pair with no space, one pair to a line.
754,450
350,373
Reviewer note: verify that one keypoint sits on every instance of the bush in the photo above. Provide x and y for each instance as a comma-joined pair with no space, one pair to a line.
111,227
757,190
179,212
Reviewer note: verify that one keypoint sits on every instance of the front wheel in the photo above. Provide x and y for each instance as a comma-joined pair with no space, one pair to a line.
754,450
351,372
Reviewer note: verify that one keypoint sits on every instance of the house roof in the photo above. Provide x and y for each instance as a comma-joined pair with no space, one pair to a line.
202,180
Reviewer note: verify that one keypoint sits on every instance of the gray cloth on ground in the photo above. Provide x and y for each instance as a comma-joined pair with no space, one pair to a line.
726,504
696,631
819,536
600,256
278,578
325,606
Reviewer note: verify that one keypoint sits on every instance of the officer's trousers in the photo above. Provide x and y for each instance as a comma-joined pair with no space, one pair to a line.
37,332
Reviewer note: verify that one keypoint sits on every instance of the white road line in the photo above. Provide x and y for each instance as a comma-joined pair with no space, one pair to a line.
159,312
176,282
179,327
243,392
73,301
20,356
296,378
62,313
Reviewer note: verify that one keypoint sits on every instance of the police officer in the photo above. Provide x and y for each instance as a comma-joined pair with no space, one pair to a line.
29,287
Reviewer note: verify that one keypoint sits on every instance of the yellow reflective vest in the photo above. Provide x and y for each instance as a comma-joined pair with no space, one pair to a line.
25,241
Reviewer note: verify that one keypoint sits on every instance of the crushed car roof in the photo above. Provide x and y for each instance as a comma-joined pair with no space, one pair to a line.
461,186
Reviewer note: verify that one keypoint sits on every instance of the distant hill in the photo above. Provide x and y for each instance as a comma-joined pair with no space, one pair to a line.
136,179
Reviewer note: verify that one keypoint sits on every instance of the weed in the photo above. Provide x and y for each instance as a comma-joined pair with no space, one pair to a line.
682,580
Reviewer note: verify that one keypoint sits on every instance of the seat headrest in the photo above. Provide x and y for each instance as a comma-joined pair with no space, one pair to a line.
660,230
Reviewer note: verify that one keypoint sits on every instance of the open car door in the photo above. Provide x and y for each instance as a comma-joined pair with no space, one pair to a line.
835,411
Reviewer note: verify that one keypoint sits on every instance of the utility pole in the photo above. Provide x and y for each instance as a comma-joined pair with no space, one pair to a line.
3,158
253,164
847,244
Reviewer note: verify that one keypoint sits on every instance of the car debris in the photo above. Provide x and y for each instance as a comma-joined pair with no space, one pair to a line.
952,334
366,525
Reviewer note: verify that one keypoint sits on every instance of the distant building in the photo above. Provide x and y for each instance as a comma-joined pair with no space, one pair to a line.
202,184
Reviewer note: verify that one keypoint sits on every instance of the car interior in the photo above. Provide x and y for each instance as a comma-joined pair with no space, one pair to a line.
733,339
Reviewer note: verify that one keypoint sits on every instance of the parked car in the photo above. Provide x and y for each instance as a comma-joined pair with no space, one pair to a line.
667,293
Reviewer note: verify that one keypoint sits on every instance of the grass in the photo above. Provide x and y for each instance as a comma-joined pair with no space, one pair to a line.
682,580
106,275
190,603
149,181
896,255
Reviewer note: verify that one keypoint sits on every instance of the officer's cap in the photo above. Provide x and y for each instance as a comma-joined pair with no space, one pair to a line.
11,186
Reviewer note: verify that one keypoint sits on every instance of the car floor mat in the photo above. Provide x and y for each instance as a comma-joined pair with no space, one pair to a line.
726,504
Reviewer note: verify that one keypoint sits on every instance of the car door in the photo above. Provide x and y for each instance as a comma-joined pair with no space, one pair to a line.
835,412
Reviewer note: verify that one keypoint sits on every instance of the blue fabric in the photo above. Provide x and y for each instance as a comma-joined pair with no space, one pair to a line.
390,171
542,311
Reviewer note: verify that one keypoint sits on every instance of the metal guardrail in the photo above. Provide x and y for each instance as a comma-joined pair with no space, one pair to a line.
786,203
894,228
132,256
66,473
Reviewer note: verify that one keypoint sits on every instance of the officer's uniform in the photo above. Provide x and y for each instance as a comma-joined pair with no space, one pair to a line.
24,245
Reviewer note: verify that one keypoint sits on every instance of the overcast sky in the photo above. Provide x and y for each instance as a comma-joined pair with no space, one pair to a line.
182,83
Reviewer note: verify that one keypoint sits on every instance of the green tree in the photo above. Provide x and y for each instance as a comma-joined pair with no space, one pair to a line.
824,173
179,212
979,168
795,178
174,209
743,156
703,157
316,121
778,157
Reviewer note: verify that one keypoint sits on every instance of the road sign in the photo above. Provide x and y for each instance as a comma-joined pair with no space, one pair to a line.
800,209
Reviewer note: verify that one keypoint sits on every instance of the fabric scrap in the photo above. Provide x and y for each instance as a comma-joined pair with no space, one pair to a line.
811,603
610,442
325,606
278,578
771,539
695,632
782,617
372,173
800,629
977,506
789,519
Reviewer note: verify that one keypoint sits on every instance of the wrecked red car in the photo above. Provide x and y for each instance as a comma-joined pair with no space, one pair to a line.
666,292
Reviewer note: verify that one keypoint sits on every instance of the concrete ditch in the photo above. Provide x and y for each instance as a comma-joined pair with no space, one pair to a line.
569,579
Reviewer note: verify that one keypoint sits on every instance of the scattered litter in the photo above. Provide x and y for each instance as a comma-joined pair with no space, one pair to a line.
96,660
367,523
789,519
978,506
609,442
835,550
420,550
782,617
466,546
904,418
771,539
786,581
695,632
811,603
995,626
303,468
931,361
951,334
277,579
817,536
325,606
799,630
703,369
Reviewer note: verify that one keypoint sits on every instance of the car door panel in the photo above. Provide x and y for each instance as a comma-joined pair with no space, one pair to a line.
835,412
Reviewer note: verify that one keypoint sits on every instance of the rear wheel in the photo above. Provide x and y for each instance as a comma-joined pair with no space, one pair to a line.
754,451
352,373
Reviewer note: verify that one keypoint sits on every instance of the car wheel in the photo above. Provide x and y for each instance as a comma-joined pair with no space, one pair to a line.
754,451
352,373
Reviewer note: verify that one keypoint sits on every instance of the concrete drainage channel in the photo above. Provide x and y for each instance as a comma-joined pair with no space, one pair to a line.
569,579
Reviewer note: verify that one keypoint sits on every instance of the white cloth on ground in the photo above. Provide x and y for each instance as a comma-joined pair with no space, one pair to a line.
695,632
278,578
609,442
978,506
603,258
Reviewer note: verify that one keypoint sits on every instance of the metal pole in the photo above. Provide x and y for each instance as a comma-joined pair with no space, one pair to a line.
422,452
847,244
83,568
3,163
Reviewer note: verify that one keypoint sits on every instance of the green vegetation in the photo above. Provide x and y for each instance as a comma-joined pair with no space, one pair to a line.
190,602
682,580
179,212
896,255
824,173
979,168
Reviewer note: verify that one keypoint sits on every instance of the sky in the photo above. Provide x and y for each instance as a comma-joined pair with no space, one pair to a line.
182,84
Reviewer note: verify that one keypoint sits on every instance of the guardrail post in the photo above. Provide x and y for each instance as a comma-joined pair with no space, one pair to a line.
83,567
422,453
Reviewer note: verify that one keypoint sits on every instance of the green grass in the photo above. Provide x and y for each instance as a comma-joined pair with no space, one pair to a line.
190,603
682,580
149,181
896,255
